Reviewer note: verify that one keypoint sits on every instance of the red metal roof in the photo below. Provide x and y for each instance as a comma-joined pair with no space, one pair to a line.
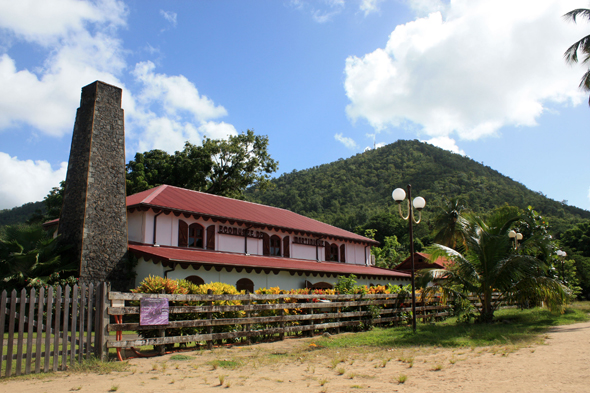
184,256
183,200
421,262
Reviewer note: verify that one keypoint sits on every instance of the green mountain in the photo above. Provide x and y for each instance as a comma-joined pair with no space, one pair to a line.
20,214
349,192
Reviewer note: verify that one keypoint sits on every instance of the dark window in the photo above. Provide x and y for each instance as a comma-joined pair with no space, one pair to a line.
334,252
195,236
245,284
195,280
322,285
342,253
275,246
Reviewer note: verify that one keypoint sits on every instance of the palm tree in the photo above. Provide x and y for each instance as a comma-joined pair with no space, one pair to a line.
448,224
583,45
490,264
28,253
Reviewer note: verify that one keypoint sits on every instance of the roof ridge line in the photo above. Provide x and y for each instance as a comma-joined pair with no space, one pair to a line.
158,191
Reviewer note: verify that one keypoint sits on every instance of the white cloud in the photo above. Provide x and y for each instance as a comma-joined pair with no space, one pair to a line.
348,142
80,42
46,98
444,142
169,16
320,11
26,181
46,22
170,111
369,6
484,65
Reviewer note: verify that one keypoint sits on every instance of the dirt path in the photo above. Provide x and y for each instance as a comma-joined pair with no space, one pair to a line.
560,362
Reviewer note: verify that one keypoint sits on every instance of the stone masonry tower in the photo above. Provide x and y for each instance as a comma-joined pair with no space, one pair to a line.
94,214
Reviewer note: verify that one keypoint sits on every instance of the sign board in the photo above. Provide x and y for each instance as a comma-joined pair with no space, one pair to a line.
153,312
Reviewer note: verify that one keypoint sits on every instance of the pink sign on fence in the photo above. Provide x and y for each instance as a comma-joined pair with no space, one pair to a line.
153,312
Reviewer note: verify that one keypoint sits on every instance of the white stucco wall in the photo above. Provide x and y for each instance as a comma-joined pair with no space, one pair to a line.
141,226
135,226
283,279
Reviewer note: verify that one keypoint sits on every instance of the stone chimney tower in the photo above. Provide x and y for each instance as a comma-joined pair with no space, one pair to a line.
94,213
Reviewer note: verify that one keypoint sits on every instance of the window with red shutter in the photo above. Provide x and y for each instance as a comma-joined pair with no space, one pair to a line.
182,234
211,237
286,247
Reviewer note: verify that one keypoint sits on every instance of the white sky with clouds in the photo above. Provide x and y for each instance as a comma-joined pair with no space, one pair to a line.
482,78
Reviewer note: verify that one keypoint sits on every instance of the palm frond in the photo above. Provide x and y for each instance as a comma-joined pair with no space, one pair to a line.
574,14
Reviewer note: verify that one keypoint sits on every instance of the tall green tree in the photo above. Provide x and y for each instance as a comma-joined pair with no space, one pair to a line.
583,46
221,167
576,242
489,263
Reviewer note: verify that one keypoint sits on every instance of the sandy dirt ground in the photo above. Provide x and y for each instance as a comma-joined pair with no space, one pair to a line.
558,362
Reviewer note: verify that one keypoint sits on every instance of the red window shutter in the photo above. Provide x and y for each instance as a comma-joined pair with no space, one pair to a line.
182,234
342,253
265,244
211,237
286,247
327,249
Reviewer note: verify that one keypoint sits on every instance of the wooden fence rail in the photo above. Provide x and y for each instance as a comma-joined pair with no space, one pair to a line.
210,318
48,329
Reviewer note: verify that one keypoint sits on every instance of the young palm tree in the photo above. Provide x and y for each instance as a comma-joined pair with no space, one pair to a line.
27,253
489,263
583,45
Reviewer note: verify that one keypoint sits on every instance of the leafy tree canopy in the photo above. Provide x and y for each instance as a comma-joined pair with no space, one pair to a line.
221,167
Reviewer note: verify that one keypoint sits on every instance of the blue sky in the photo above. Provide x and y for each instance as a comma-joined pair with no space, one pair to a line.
323,79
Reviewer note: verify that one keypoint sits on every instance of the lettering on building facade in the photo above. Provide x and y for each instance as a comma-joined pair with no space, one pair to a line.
307,241
225,230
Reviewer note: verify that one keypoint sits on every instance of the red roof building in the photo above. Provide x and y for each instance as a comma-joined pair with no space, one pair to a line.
421,261
202,237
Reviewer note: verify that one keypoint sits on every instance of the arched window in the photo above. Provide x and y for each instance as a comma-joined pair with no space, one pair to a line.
195,280
342,253
275,246
331,252
195,235
245,284
322,285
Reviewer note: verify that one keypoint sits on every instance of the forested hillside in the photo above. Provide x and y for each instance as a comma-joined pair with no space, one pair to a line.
348,192
20,214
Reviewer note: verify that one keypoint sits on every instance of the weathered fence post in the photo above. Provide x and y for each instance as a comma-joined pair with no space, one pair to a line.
30,324
210,317
3,311
48,323
102,351
40,303
282,323
21,331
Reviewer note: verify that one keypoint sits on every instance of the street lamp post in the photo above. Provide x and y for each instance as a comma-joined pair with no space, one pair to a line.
419,203
562,254
516,237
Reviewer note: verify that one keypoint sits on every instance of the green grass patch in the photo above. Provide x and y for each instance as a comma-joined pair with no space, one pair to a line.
181,357
229,364
511,326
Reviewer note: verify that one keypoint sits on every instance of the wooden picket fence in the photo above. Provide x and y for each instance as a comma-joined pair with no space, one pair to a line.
47,330
232,317
52,329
